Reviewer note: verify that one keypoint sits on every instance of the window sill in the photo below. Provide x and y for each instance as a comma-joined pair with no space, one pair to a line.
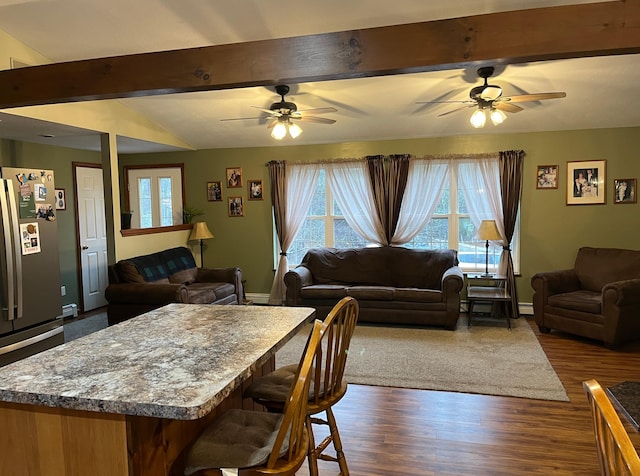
158,229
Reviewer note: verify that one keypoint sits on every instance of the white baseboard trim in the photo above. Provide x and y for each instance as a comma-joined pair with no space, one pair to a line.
526,308
258,298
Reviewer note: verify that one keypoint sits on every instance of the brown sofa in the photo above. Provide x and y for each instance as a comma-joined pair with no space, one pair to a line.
598,298
141,284
392,284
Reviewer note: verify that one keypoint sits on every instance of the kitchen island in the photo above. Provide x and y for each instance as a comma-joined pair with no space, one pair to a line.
128,399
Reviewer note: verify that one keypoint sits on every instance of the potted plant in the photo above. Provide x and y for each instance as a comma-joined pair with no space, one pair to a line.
125,219
189,213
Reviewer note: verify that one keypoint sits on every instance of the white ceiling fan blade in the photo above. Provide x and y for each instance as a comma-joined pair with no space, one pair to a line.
460,101
534,97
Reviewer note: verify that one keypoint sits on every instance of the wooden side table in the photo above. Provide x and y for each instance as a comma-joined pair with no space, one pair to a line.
489,289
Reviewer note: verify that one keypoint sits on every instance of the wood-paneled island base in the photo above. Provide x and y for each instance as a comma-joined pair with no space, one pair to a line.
128,399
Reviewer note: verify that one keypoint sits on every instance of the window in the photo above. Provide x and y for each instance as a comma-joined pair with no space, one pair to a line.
325,226
450,227
155,196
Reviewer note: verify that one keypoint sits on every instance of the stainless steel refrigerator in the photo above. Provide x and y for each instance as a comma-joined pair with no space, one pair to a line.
31,302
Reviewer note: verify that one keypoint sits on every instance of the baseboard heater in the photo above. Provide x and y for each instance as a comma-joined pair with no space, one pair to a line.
69,310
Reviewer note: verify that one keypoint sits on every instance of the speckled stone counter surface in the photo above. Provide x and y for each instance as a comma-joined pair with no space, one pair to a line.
626,396
176,362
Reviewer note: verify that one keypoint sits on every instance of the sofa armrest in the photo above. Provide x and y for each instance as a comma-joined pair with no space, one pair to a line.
621,293
555,282
145,293
453,280
295,280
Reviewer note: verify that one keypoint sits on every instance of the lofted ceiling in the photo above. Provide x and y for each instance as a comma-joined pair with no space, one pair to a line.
600,91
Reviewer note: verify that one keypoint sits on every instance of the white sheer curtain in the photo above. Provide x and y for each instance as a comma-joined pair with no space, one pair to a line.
479,179
301,181
349,184
425,184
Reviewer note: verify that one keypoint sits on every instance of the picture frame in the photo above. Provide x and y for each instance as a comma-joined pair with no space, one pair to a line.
214,191
625,190
255,190
61,199
586,182
234,177
547,177
235,206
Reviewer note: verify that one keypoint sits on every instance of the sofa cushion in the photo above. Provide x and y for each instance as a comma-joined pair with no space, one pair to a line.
128,273
582,300
324,291
375,293
200,295
186,276
596,267
417,295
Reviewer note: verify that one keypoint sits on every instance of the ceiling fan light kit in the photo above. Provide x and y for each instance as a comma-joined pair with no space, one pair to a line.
283,113
488,100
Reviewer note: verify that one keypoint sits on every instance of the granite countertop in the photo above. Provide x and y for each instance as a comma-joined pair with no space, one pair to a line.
177,362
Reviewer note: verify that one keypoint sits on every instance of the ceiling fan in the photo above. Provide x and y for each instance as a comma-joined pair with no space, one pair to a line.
283,112
488,98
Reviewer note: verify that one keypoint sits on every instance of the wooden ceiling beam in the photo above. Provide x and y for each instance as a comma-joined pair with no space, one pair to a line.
509,37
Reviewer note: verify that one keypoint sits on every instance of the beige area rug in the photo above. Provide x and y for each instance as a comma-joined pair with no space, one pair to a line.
486,359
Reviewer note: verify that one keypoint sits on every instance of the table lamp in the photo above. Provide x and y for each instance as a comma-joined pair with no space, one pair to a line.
488,231
201,232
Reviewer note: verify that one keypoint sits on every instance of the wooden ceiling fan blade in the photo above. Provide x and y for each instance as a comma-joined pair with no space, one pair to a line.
460,101
456,109
269,111
272,124
242,118
534,97
319,110
506,107
319,120
491,93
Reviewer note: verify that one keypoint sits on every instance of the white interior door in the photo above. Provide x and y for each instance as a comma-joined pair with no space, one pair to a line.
93,236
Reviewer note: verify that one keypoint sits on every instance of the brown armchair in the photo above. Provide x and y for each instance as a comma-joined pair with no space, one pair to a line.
599,298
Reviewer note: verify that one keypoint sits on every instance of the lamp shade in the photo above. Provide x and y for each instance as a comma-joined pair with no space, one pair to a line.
200,231
489,230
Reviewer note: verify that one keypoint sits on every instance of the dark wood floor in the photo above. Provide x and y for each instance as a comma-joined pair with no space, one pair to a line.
391,431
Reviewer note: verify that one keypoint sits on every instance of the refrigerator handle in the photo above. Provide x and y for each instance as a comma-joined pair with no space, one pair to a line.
17,248
8,248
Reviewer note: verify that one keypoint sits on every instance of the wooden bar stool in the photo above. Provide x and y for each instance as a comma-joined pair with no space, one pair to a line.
328,385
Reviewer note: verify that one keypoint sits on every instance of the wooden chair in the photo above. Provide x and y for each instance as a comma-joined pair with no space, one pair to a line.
616,452
257,442
328,385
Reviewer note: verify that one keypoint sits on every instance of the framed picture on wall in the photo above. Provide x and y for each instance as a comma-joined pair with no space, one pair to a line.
236,206
586,182
61,199
547,177
214,191
234,177
255,189
624,190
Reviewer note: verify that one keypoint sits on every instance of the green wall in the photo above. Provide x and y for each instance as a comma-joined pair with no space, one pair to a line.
58,159
551,231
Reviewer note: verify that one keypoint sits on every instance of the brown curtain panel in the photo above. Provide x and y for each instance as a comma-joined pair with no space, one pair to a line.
511,166
277,175
388,177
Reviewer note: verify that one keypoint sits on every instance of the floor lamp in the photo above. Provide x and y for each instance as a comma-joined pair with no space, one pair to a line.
488,231
200,232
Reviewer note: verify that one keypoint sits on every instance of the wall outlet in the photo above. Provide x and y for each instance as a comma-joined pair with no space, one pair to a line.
63,290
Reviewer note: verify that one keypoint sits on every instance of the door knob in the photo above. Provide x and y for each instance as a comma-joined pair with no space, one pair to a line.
85,247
